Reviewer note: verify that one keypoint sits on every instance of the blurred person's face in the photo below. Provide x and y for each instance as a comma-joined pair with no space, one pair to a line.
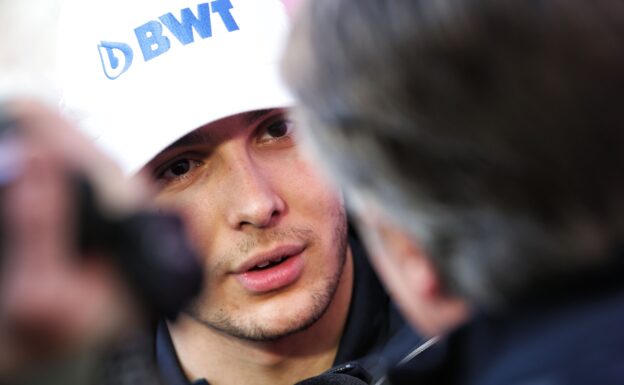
406,271
271,231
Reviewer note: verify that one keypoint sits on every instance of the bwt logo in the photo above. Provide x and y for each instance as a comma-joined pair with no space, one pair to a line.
117,57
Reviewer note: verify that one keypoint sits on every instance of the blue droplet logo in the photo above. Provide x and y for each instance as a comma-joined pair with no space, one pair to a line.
116,58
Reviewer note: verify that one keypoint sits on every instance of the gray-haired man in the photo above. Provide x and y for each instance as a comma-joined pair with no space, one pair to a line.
481,145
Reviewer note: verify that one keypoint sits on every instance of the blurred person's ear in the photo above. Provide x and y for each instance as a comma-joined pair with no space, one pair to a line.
409,275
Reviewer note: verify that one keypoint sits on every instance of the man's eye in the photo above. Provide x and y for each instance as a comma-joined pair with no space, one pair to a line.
179,168
278,130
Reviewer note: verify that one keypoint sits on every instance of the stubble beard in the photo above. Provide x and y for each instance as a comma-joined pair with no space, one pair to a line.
248,329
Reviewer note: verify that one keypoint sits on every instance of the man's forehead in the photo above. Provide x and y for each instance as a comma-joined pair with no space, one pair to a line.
209,133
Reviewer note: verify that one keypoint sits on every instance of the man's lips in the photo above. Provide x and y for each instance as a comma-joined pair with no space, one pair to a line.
273,270
268,257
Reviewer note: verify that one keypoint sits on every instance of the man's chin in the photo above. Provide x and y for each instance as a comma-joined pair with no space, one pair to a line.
268,334
263,331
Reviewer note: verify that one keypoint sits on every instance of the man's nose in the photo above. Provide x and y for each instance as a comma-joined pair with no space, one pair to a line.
254,201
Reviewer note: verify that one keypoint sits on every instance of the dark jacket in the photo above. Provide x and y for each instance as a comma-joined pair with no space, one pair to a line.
372,321
569,333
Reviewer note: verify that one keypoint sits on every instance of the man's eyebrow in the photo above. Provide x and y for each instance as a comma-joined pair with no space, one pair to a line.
194,137
252,117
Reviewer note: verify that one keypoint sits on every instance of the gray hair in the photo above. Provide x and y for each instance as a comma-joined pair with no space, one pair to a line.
492,129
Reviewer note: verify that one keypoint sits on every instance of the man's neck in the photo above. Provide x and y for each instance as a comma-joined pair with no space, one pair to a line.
222,359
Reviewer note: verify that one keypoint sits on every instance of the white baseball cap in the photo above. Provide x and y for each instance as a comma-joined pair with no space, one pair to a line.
139,74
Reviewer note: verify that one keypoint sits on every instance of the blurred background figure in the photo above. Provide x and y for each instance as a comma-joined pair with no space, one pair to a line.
480,143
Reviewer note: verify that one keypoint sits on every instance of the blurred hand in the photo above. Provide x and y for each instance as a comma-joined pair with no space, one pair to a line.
52,299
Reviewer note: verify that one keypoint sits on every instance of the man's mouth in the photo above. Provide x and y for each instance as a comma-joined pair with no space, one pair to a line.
269,264
273,270
269,258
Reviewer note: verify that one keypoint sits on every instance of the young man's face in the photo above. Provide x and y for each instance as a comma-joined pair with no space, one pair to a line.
271,231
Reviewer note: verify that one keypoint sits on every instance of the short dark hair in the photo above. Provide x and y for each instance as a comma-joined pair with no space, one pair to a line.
497,126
